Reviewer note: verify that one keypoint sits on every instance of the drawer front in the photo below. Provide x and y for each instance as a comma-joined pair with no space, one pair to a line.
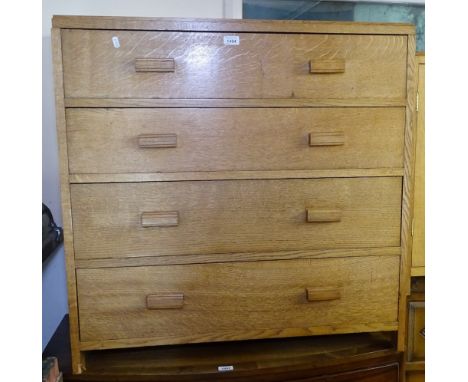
203,217
153,140
210,302
201,65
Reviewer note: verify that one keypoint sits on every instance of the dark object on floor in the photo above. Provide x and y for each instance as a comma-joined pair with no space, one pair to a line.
59,346
337,358
52,235
50,370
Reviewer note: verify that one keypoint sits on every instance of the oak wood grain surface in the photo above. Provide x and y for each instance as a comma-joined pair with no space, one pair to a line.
261,66
231,301
109,140
234,216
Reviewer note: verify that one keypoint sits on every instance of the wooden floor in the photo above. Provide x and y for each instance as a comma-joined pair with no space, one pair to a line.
294,359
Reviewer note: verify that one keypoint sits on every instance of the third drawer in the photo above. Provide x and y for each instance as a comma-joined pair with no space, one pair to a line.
234,216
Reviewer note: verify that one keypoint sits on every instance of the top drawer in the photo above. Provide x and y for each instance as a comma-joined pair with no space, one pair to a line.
137,64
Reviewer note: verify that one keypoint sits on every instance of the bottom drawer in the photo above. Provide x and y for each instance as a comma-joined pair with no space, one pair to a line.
172,304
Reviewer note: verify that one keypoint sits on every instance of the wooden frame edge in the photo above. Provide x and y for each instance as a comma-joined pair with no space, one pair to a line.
229,25
234,175
256,334
407,194
78,360
233,102
233,257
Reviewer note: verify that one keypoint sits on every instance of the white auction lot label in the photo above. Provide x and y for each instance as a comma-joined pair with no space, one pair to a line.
225,368
231,40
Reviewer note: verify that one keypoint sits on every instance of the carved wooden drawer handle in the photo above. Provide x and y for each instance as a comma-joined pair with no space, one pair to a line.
165,301
161,65
315,215
322,294
330,138
157,140
160,219
324,66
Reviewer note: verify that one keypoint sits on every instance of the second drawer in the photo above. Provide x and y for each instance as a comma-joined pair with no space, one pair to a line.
185,139
118,220
151,140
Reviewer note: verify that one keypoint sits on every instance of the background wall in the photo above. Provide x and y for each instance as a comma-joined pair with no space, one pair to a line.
54,293
386,11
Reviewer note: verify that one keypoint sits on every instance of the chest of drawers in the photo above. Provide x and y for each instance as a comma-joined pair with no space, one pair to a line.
231,180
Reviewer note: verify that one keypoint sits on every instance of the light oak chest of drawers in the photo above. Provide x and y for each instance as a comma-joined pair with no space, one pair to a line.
229,180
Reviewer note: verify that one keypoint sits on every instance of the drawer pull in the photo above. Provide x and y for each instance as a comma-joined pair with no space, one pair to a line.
157,140
319,215
331,138
162,65
160,219
165,301
322,294
323,66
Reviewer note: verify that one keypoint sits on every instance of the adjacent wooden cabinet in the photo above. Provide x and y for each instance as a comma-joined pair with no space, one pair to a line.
415,359
417,261
415,354
234,180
